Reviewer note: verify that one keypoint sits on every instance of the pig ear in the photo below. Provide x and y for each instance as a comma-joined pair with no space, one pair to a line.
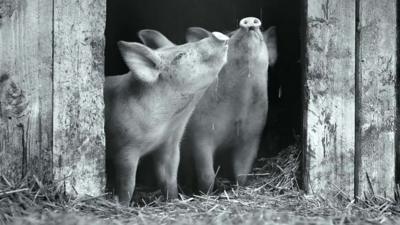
154,39
230,33
270,39
141,60
194,34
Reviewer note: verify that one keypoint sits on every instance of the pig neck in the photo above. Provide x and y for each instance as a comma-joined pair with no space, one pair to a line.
236,78
163,101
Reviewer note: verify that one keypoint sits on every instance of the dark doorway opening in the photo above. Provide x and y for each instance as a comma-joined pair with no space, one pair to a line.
172,18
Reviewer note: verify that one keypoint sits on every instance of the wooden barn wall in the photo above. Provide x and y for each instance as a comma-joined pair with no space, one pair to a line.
397,139
78,144
51,105
26,88
330,91
350,97
376,97
51,88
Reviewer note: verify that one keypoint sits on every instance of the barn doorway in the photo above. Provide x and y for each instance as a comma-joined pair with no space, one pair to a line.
172,18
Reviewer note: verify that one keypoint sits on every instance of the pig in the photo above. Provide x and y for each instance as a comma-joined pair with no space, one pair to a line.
229,119
154,39
147,109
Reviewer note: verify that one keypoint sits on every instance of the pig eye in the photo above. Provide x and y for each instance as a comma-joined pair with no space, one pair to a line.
178,57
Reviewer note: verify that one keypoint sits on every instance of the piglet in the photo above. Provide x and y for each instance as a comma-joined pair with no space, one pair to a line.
226,126
147,109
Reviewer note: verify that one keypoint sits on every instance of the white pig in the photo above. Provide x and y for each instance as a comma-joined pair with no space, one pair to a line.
147,109
228,121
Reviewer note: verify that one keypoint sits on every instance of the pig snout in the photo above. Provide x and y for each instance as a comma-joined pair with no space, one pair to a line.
220,37
250,23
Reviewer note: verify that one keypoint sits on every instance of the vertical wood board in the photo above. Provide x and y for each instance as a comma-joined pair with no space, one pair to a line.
377,93
25,88
78,119
330,90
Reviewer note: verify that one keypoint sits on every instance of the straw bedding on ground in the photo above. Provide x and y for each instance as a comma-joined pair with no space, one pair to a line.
273,196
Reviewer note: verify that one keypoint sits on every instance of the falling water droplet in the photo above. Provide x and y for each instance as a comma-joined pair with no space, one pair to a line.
238,125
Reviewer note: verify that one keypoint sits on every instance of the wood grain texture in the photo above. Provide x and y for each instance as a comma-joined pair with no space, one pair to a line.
330,90
25,88
377,93
78,95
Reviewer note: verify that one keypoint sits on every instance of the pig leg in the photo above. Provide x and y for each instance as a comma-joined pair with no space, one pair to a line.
243,158
125,165
204,166
167,162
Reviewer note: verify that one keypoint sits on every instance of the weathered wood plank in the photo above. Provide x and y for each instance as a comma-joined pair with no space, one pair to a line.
25,88
330,90
78,95
377,93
